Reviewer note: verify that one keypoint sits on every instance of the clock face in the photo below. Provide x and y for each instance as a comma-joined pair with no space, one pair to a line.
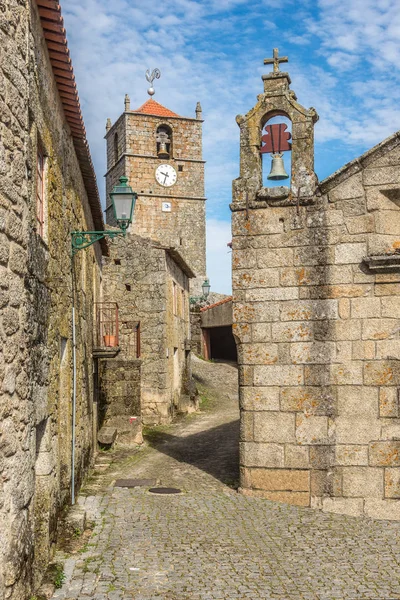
166,175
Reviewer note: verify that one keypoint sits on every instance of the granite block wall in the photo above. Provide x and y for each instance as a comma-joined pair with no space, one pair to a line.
143,279
317,326
35,306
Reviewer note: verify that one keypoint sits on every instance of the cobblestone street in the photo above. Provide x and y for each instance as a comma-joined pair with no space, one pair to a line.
210,542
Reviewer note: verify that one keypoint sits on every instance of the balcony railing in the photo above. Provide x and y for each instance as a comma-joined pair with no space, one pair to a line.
107,326
115,331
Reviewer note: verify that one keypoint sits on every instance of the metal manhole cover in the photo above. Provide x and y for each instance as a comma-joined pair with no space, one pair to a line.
131,483
165,490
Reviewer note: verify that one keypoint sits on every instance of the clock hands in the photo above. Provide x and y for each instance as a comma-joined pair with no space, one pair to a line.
165,176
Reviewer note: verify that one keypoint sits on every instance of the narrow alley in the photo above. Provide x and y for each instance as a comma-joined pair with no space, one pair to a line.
209,542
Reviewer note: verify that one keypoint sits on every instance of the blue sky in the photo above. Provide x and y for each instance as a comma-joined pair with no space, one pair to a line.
343,59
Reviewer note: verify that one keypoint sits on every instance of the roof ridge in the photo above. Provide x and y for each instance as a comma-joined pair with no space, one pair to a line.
356,165
227,299
156,108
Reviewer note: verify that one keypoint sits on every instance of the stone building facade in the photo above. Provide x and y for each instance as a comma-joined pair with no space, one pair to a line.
316,282
47,189
171,214
150,283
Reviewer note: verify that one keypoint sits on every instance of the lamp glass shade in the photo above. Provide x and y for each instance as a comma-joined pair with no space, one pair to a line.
123,199
206,287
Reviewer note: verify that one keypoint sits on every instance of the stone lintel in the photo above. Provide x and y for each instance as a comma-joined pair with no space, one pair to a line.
260,204
274,193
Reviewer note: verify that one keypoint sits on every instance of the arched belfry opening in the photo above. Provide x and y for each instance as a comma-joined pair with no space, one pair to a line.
262,132
164,142
275,150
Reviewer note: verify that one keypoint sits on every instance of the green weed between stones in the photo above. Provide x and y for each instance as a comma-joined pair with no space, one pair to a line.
57,575
86,565
205,401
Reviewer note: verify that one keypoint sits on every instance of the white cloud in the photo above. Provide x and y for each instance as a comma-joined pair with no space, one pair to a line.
344,62
269,25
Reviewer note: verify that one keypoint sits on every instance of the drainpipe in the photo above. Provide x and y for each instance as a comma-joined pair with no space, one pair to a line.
73,403
73,383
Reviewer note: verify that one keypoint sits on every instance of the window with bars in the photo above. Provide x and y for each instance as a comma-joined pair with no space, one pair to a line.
40,187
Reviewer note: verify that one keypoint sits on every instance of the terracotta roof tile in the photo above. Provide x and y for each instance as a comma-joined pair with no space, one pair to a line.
151,107
57,45
224,301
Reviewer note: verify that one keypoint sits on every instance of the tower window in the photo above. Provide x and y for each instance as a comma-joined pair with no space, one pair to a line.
175,298
180,168
164,141
116,153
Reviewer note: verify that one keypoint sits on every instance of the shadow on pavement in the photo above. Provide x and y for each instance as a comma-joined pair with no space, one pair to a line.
215,451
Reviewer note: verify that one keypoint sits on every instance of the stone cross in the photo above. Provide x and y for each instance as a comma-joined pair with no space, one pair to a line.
276,60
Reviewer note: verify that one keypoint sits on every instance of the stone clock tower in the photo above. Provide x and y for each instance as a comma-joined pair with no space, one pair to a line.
161,154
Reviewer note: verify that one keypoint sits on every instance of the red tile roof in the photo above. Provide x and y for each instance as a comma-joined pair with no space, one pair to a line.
151,107
224,301
57,45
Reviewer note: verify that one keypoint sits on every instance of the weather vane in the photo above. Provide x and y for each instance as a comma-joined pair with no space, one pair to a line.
156,74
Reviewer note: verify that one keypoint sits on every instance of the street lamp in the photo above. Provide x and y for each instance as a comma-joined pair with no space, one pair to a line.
205,289
123,200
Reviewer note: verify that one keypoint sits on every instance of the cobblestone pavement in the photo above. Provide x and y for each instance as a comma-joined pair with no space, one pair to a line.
211,543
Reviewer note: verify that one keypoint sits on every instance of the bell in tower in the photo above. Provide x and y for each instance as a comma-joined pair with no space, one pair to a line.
163,143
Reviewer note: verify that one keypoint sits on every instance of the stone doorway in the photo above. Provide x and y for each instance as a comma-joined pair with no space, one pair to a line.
219,344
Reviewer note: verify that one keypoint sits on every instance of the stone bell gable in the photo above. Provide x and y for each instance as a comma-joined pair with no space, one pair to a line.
277,99
316,313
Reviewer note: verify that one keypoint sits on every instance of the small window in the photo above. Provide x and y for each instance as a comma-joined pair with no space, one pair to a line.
175,297
180,168
40,190
116,151
137,331
128,287
117,261
182,303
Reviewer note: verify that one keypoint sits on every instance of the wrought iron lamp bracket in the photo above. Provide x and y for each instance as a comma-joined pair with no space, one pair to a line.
197,299
84,239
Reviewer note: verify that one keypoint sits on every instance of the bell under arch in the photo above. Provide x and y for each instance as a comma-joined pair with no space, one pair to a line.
277,99
164,141
276,155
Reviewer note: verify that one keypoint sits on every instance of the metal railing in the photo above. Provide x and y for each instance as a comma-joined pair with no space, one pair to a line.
107,325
